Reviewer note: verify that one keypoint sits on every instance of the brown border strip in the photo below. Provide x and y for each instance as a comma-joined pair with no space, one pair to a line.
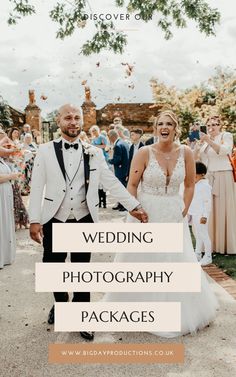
222,279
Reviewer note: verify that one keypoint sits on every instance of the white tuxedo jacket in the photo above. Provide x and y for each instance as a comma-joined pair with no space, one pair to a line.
48,186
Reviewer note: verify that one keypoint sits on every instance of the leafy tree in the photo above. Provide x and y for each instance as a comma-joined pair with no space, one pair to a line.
214,97
5,114
71,14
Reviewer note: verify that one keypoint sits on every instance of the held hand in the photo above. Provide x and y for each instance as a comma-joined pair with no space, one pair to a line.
203,220
184,212
139,214
204,137
36,232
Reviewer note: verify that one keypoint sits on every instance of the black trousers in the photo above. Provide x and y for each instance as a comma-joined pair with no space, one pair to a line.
50,257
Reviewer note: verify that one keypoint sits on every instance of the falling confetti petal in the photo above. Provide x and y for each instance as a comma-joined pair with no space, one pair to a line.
43,97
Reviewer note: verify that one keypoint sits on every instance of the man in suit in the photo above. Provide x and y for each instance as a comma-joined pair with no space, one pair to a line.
64,188
153,139
120,160
135,136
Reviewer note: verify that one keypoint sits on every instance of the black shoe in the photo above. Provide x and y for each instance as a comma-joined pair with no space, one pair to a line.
122,209
51,316
88,335
116,207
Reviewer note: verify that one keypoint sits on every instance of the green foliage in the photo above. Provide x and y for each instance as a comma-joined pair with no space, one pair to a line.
227,263
209,97
105,38
22,8
5,114
186,118
70,15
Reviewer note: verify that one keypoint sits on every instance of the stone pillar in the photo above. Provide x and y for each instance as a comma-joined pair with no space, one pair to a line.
33,113
89,110
90,115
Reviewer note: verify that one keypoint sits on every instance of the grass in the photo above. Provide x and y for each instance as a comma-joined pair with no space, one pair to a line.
226,262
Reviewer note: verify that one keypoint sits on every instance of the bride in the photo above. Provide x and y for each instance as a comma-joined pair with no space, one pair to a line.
157,171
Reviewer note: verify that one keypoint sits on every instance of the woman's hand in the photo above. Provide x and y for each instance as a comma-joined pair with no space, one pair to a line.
139,214
184,212
15,176
205,137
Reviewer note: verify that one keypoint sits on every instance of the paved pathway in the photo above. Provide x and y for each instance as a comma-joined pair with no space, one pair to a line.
221,278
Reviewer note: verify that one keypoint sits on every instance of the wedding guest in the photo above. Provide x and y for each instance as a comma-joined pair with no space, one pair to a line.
7,226
28,143
7,148
194,134
30,149
153,139
36,136
117,121
16,164
135,136
217,145
111,127
26,130
100,141
83,137
199,210
120,161
2,133
14,135
121,130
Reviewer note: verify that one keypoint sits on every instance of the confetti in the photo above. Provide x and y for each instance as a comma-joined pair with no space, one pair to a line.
43,97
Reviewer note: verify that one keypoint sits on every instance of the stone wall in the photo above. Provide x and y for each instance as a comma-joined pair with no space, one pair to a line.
132,114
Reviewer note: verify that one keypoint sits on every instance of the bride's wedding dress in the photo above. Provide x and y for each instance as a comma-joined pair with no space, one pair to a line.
164,204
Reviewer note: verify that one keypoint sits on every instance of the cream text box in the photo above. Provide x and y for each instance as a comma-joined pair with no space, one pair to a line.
96,316
118,277
118,237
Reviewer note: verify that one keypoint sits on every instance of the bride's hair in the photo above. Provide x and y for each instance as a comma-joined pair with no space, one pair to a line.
173,116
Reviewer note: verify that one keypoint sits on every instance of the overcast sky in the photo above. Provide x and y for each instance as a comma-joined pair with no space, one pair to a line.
32,58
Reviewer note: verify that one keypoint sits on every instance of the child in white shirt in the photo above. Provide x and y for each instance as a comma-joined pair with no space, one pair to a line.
200,210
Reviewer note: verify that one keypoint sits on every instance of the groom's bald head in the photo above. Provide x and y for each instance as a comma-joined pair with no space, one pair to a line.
70,121
69,108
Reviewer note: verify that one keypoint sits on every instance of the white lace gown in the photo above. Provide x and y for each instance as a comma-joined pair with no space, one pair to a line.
7,223
164,205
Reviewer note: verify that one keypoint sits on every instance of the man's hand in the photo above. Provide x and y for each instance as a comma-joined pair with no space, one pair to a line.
36,232
139,214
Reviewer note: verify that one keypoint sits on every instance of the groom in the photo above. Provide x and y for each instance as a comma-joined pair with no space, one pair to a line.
64,188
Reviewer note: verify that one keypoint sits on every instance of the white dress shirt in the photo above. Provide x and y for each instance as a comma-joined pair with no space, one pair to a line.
202,198
74,204
136,148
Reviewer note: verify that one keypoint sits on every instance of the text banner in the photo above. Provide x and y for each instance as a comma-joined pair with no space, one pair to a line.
118,277
118,316
118,237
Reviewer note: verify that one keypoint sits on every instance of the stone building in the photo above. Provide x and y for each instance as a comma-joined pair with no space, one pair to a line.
31,115
132,114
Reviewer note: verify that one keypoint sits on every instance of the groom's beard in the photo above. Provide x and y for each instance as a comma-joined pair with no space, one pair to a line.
72,133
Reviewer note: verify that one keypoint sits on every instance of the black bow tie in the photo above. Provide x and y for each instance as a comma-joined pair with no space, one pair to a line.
75,146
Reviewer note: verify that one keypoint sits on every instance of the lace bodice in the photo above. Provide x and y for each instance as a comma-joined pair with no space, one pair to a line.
154,179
